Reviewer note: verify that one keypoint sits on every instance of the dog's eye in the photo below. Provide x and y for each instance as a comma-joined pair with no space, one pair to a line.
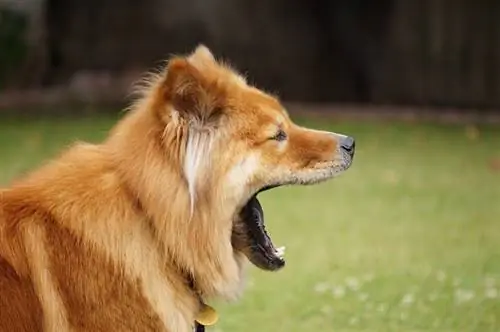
280,136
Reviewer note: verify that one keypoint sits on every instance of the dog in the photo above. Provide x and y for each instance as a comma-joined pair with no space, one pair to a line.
138,232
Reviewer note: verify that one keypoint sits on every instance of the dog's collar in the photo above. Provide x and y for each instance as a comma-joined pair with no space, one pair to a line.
206,315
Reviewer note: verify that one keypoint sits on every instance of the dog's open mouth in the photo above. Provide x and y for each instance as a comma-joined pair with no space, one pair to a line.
251,238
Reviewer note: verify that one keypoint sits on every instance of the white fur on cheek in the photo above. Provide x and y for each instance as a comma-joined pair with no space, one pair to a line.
197,155
242,172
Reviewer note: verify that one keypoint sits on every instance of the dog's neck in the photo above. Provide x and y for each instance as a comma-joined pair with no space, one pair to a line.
197,241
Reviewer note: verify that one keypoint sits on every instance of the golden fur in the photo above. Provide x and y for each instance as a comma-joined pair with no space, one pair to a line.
103,237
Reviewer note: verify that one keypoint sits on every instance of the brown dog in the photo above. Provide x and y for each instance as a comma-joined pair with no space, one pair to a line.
135,233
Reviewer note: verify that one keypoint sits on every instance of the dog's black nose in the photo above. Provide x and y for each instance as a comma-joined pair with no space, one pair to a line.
348,144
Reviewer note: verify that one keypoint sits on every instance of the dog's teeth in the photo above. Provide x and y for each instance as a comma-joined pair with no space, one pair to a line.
280,251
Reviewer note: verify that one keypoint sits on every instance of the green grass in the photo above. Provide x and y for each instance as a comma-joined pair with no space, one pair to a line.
407,240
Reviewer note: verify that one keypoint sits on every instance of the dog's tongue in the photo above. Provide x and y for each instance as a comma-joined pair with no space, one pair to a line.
263,253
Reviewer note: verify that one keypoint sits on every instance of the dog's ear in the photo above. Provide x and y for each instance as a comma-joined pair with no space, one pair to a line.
190,88
202,58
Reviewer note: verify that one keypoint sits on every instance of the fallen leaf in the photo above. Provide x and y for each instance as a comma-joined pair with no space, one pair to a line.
494,164
472,132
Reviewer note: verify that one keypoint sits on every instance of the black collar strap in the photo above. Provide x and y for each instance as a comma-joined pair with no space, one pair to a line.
198,327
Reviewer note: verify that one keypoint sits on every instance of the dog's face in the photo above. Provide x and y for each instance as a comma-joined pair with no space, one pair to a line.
242,141
270,150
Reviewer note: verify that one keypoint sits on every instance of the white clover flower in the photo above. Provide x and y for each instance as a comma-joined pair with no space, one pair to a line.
353,283
338,291
363,297
368,277
489,281
491,293
441,276
327,310
353,320
463,295
321,287
408,299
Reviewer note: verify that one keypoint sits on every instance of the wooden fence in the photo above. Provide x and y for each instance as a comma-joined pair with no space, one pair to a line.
420,52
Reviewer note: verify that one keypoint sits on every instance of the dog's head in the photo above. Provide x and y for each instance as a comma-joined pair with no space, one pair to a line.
239,141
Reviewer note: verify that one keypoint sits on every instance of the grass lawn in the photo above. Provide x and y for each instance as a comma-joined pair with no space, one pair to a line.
407,240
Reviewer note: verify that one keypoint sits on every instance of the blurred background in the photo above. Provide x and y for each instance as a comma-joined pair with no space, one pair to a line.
428,52
407,240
